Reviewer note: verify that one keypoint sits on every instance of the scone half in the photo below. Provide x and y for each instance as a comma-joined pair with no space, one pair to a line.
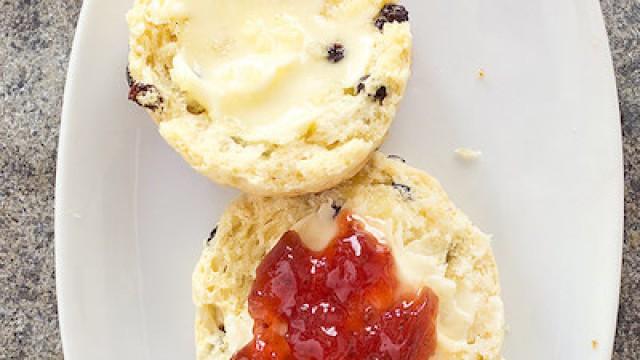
272,97
458,262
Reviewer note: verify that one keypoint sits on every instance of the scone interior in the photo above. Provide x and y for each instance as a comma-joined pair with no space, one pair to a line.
453,258
274,97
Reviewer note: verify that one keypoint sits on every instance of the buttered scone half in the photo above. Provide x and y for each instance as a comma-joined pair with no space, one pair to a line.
280,97
382,267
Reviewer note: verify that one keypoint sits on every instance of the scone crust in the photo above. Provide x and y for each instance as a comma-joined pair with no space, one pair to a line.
333,148
421,215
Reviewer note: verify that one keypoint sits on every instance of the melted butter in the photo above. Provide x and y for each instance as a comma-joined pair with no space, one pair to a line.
457,306
257,63
318,229
239,330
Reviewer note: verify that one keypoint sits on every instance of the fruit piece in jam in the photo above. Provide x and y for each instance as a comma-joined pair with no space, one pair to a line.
344,302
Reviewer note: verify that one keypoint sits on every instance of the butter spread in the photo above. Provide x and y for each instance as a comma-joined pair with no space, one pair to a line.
263,65
239,330
318,229
458,305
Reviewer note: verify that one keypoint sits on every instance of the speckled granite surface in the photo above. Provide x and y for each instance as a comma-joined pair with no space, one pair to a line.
34,48
623,24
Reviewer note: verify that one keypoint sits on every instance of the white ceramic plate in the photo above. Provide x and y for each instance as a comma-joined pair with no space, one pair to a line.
131,216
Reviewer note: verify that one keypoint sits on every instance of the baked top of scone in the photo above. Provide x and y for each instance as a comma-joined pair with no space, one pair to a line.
280,97
440,248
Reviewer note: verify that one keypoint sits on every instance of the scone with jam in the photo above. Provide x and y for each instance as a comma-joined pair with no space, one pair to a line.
382,267
281,97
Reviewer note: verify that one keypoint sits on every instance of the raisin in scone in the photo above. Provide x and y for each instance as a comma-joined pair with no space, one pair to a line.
282,97
434,244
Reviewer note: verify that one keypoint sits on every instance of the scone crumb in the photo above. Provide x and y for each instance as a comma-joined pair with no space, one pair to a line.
594,344
468,154
481,74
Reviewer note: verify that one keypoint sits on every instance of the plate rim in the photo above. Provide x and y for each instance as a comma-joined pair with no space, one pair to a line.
59,228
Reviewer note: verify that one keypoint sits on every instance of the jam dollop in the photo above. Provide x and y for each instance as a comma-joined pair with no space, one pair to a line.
344,302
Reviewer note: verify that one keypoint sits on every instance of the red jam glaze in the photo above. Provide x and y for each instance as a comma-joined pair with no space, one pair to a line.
340,303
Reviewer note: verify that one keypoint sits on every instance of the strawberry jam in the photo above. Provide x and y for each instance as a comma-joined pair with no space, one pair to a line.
344,302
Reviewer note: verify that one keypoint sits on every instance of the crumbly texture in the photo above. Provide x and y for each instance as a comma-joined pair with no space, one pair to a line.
316,154
421,216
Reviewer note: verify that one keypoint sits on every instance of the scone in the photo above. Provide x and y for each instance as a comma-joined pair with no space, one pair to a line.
282,97
434,244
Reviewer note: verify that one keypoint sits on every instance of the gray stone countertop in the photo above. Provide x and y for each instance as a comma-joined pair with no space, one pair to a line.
34,49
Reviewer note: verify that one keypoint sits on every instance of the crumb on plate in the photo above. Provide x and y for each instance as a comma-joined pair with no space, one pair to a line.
468,154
